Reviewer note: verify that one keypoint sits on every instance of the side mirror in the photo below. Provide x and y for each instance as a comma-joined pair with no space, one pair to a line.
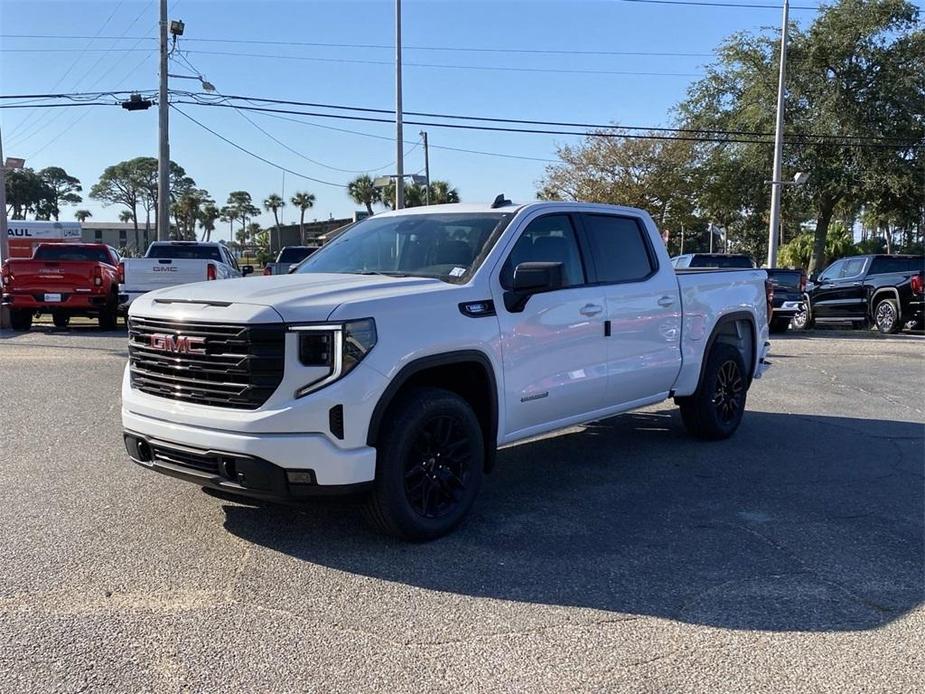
530,279
292,269
814,277
247,270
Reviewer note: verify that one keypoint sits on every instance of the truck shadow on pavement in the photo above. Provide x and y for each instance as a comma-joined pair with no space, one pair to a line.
800,522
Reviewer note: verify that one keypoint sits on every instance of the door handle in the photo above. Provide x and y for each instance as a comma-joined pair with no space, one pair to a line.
855,284
590,310
666,301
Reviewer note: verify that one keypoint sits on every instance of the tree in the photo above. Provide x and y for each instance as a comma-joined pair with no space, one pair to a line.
304,201
65,188
441,193
186,211
207,217
240,206
125,216
273,203
27,193
82,215
853,74
363,192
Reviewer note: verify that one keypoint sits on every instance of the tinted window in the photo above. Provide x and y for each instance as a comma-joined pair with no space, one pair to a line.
549,239
789,279
883,265
79,253
724,261
853,267
619,248
832,271
183,252
294,254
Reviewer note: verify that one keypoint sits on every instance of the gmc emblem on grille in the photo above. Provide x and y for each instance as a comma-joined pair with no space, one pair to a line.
178,344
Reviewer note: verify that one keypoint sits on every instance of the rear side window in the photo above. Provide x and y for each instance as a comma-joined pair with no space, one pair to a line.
884,265
78,253
619,248
722,261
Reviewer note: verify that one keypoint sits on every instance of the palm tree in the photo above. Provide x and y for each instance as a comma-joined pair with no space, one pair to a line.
82,215
303,201
125,216
363,192
441,193
207,216
273,203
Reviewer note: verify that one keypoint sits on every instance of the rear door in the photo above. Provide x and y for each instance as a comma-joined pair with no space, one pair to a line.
554,350
643,308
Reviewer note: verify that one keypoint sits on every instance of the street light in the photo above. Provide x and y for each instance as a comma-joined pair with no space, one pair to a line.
799,179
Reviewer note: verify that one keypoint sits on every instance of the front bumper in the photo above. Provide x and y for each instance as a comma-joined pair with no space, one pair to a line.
788,309
270,466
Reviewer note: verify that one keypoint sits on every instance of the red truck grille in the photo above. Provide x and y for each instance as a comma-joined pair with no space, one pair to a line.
237,366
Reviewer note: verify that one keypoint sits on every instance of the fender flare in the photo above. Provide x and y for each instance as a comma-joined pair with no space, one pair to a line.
731,317
885,290
428,362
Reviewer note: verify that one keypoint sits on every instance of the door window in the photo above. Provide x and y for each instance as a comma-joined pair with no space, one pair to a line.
618,247
853,267
832,272
549,239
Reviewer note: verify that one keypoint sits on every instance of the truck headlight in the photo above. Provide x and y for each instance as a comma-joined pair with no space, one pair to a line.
336,348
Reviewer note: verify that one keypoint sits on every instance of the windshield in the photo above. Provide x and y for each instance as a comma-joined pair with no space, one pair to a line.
446,246
79,253
184,252
722,261
294,254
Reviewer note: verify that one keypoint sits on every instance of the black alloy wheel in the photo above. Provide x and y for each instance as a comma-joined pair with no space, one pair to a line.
729,391
437,469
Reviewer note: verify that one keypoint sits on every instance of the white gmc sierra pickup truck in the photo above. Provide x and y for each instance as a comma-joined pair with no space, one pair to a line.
399,357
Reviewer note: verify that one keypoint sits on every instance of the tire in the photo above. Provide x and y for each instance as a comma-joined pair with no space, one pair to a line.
779,325
61,320
886,317
802,319
715,410
109,318
429,466
20,319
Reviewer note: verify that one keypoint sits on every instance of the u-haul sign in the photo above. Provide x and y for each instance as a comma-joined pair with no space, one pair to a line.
25,235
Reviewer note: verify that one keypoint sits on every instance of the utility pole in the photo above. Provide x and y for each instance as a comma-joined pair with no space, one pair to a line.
163,152
682,240
776,184
710,229
399,146
426,169
4,232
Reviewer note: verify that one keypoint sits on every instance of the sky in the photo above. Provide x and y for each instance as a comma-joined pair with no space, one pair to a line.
439,76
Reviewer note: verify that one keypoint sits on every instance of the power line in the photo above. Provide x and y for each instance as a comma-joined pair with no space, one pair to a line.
517,121
700,3
254,155
382,46
491,68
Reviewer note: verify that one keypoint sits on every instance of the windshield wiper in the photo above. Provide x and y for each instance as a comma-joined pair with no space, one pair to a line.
379,272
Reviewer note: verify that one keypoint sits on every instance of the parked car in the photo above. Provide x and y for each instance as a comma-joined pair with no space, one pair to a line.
288,258
789,285
886,290
171,263
65,280
397,358
712,260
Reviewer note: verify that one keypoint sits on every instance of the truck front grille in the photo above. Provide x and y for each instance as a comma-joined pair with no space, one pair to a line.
237,366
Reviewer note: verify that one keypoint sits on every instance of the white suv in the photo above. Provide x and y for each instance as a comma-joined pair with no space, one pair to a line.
397,358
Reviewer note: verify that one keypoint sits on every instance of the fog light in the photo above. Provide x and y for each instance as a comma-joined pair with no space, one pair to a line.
300,476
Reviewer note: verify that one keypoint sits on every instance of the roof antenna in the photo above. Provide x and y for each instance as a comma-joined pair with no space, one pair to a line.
500,201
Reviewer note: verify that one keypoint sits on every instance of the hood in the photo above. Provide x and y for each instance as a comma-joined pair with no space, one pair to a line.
304,297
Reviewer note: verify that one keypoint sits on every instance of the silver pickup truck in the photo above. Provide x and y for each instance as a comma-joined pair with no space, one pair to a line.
288,258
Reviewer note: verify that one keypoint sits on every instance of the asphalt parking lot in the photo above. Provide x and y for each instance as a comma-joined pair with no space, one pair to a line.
619,556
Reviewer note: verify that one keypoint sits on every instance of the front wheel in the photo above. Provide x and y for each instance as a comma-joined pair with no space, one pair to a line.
429,466
715,409
886,316
802,319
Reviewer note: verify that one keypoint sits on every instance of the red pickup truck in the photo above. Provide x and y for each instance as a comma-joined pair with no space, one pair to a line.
65,280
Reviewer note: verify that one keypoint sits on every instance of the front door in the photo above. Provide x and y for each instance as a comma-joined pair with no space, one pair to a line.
554,350
840,290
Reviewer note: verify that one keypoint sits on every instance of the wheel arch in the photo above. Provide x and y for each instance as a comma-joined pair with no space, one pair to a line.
737,328
891,292
468,373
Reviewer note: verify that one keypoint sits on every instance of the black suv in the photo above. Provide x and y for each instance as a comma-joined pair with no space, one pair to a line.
887,290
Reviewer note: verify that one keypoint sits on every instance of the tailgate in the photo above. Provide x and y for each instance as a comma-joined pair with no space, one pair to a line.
148,274
40,276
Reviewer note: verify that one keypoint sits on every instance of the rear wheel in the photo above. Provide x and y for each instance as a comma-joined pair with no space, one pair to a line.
108,319
61,320
886,316
20,319
715,410
429,466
